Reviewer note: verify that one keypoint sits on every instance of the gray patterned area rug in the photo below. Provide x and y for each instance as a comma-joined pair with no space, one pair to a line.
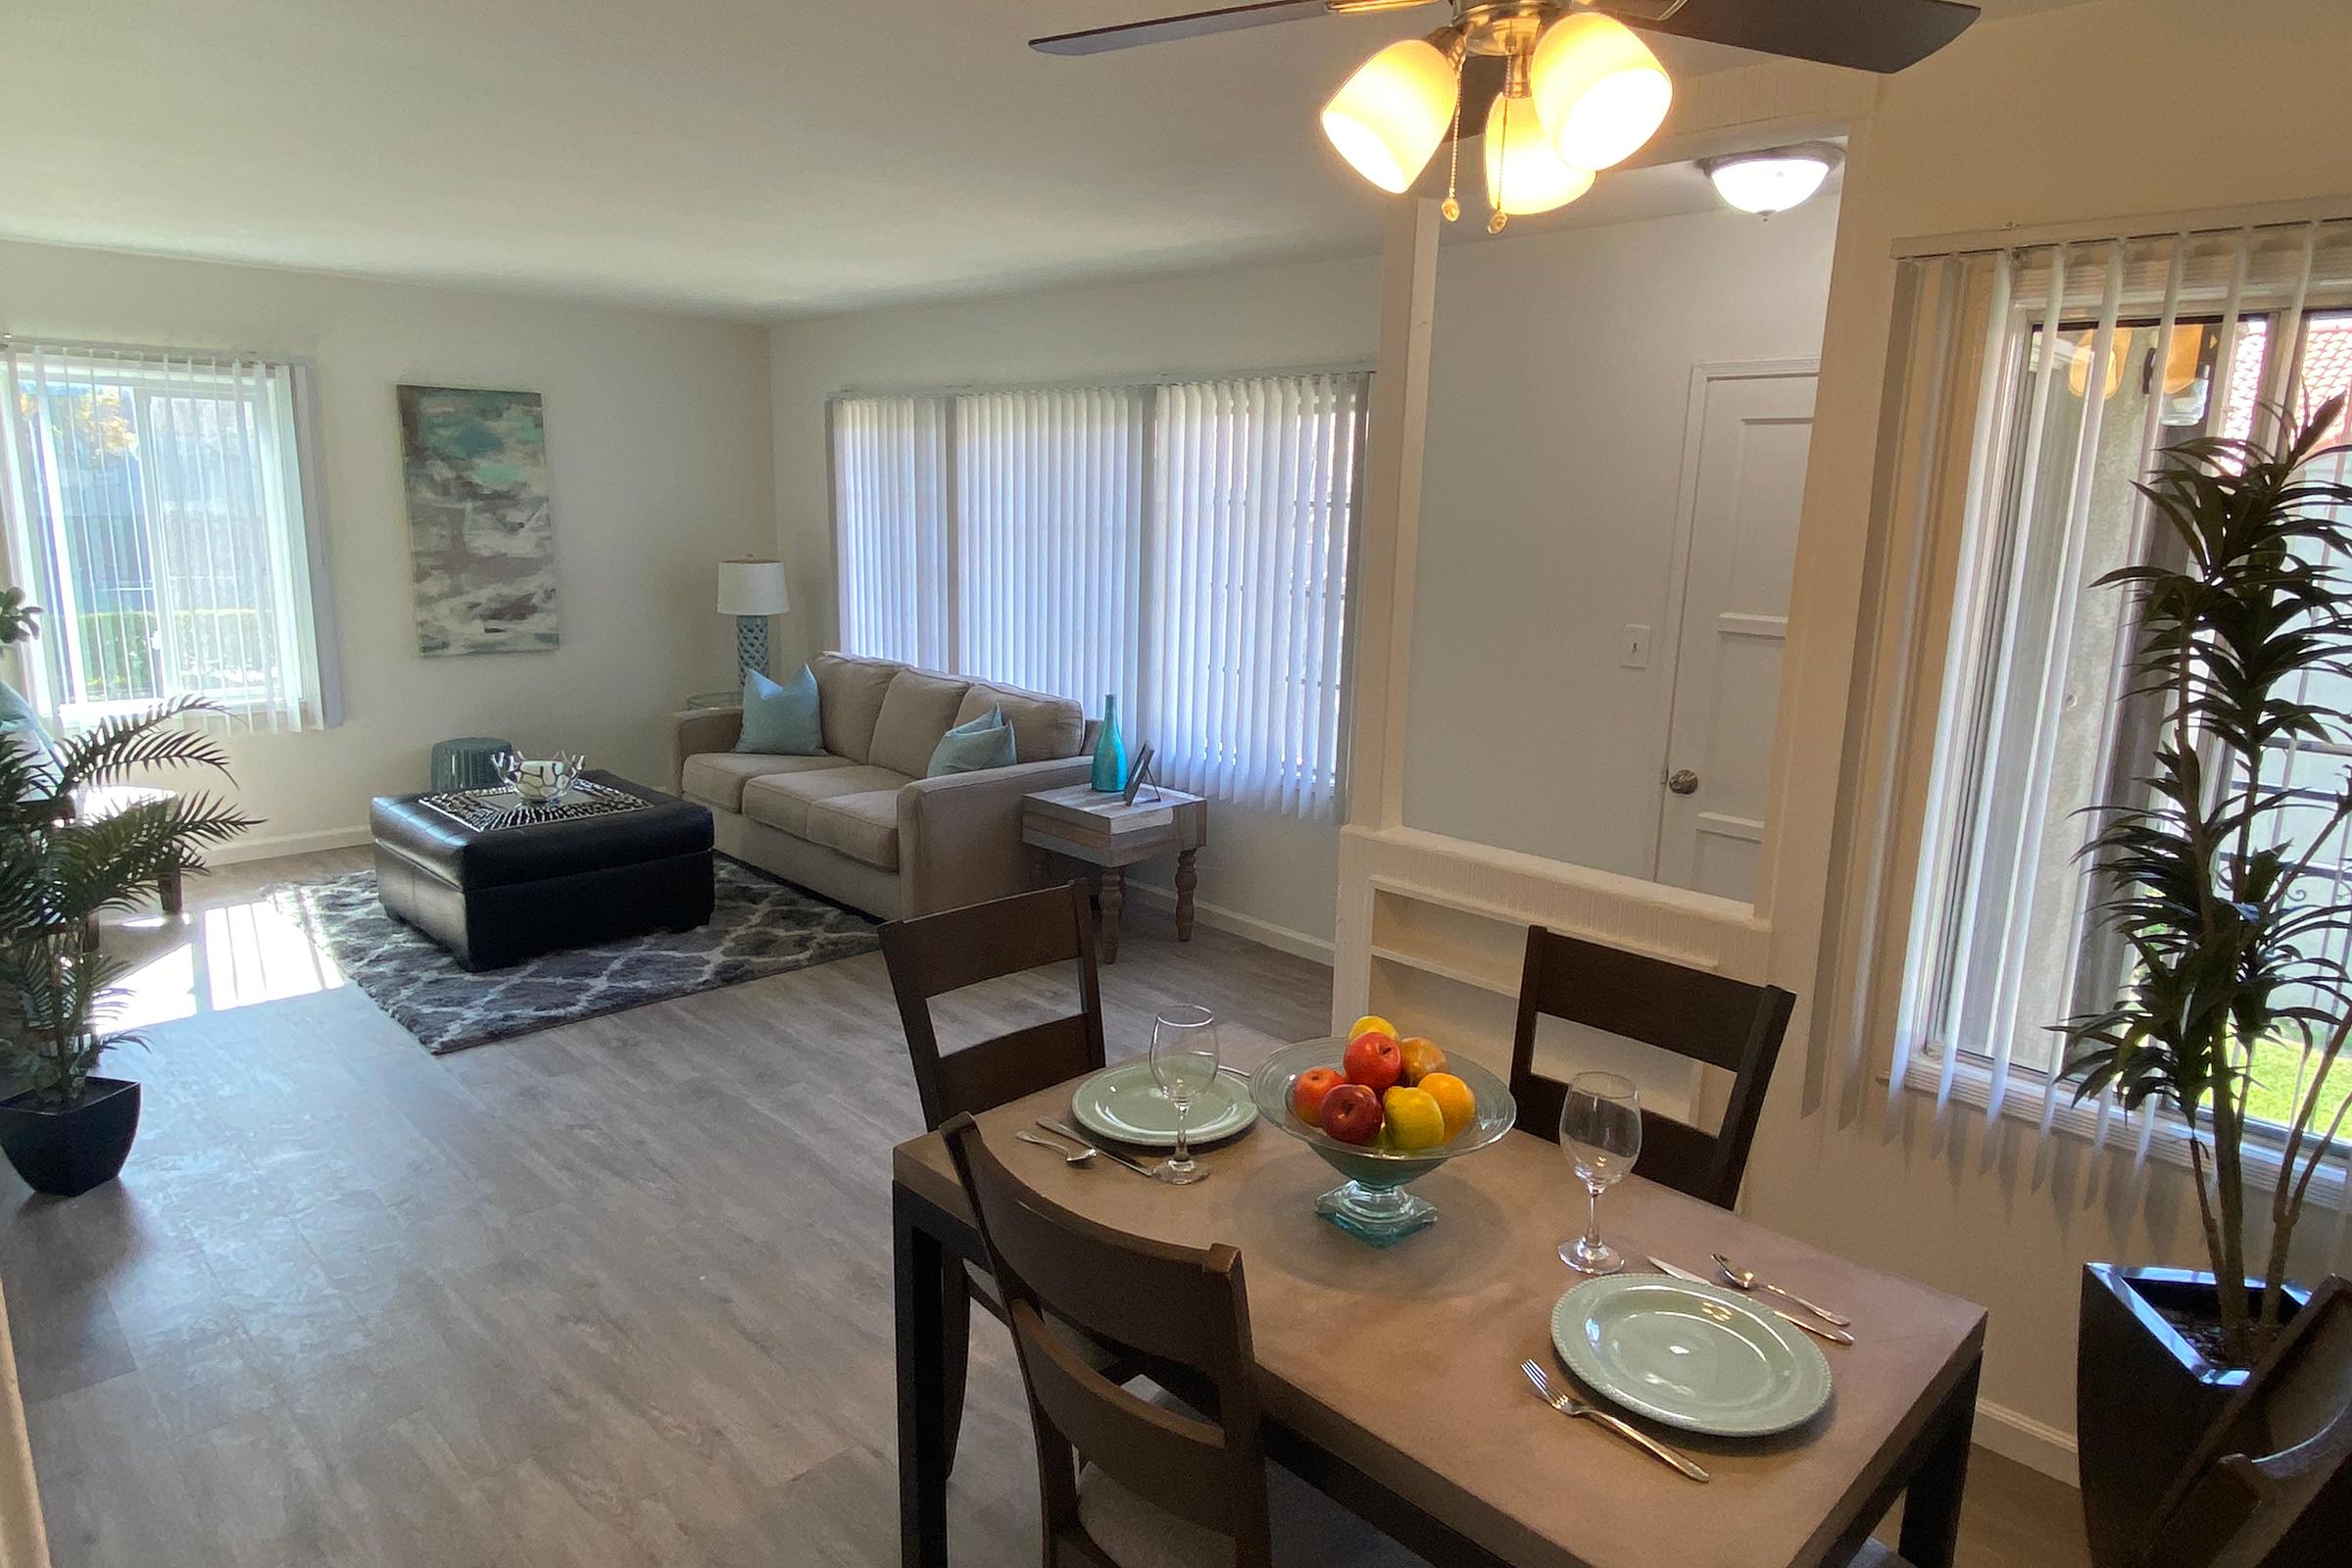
759,927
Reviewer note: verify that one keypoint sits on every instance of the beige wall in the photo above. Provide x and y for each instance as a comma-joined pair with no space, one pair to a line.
2102,109
1559,382
658,446
1267,875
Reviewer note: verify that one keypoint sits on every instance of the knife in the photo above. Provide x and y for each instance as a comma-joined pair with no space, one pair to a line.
1834,1336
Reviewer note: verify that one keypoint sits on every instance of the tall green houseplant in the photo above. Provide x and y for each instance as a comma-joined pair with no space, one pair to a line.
2210,874
61,865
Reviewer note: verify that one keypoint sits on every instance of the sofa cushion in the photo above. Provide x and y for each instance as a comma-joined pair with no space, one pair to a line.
916,712
717,778
864,827
782,799
849,693
1043,728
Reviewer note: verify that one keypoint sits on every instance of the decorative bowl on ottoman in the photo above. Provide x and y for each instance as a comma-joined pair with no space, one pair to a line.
1372,1205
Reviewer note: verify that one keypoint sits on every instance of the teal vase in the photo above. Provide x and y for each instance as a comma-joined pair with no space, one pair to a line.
1110,751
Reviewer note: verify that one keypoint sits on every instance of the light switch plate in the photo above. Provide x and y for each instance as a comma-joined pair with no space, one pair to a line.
1634,649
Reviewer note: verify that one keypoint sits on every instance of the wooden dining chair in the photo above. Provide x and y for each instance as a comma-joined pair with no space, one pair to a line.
1160,1485
933,954
1723,1022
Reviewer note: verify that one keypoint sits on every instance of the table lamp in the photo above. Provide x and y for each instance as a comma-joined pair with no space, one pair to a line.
751,591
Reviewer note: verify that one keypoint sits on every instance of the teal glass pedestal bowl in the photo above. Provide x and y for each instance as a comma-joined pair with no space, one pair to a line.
1373,1204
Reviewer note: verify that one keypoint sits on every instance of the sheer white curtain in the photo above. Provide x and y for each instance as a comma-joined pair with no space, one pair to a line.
2038,383
891,533
164,507
1048,530
1246,570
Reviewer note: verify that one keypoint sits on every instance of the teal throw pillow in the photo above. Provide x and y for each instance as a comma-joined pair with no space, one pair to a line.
781,720
21,727
985,742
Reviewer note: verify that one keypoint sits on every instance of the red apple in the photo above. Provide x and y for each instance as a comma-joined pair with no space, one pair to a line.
1307,1091
1374,1061
1351,1113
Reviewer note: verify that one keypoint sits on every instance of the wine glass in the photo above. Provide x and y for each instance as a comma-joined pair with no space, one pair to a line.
1184,1063
1600,1128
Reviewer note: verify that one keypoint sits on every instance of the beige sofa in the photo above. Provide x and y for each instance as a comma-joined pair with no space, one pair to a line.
859,823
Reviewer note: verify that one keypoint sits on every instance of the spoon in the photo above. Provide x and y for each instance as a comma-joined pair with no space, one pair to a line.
1745,1279
1084,1156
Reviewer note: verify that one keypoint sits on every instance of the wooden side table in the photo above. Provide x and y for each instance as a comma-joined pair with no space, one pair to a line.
1104,831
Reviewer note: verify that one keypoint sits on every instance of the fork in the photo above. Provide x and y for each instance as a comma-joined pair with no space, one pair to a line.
1569,1405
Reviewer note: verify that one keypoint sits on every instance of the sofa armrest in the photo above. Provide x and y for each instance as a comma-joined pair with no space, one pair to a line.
959,835
697,730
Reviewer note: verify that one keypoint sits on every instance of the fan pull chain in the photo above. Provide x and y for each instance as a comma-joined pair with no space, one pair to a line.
1454,157
1497,158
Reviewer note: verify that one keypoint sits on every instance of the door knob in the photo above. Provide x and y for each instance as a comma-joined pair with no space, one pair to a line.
1683,781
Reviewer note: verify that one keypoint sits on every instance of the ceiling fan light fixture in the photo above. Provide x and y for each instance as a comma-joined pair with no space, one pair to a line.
1598,90
1769,182
1388,118
1524,175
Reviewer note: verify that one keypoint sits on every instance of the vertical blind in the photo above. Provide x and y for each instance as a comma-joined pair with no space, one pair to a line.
890,490
2036,386
1182,547
159,506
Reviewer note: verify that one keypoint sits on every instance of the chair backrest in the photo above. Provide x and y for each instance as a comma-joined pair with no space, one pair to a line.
1723,1022
2271,1483
933,954
1185,1312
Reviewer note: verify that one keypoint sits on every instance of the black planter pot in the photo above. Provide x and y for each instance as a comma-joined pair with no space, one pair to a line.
2143,1396
67,1152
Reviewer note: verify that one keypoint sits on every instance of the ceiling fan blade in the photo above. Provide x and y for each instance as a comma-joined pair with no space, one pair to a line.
1163,29
1881,35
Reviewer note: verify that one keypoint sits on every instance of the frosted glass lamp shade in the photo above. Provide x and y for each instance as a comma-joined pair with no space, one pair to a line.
1770,182
1523,173
752,588
1598,90
1387,117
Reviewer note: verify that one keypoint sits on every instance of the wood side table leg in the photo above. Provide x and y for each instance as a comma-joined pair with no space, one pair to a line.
1114,897
1039,867
1185,880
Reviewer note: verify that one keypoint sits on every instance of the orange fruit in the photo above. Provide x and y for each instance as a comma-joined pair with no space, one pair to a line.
1413,1119
1455,1104
1372,1023
1421,1058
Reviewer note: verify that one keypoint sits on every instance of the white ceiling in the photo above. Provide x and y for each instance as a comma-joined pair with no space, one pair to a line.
763,158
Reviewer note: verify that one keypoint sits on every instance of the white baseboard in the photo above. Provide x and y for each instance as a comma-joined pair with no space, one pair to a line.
271,847
2033,1444
1249,927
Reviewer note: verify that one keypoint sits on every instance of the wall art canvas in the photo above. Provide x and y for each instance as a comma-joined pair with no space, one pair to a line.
482,540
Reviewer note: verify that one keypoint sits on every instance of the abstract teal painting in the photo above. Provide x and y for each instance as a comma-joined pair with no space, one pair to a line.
482,540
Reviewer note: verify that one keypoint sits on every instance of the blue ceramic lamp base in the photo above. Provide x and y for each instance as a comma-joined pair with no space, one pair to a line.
751,645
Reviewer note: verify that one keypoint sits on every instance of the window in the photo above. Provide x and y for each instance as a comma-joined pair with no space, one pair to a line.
1183,547
158,505
2052,378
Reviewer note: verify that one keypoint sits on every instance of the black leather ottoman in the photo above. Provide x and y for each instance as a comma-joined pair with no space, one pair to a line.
498,896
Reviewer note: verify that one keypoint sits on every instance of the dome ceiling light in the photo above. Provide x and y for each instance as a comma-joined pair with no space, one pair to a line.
1560,88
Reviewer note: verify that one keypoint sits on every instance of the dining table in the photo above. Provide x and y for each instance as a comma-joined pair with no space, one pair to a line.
1391,1378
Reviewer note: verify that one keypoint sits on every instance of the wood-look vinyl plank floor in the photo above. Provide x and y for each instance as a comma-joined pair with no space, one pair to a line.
616,1294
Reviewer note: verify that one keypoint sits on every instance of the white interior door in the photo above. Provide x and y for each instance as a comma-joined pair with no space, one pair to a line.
1743,484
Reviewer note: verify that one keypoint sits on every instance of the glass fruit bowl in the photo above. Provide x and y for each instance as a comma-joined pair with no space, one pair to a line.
1372,1205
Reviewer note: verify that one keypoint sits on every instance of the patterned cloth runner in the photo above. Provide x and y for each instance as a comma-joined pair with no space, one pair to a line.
488,810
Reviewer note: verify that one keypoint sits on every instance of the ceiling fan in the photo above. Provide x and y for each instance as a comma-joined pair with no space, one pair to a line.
1560,89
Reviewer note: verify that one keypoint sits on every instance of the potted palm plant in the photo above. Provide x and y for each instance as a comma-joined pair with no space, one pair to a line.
66,1129
2215,877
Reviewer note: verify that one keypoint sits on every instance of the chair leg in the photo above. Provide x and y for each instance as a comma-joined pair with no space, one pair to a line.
170,891
955,1330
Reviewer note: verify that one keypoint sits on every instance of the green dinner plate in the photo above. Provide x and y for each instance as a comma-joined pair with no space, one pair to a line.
1124,1104
1691,1355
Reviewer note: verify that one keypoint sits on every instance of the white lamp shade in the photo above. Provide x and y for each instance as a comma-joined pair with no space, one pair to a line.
1598,89
1387,117
1523,173
752,588
1769,182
